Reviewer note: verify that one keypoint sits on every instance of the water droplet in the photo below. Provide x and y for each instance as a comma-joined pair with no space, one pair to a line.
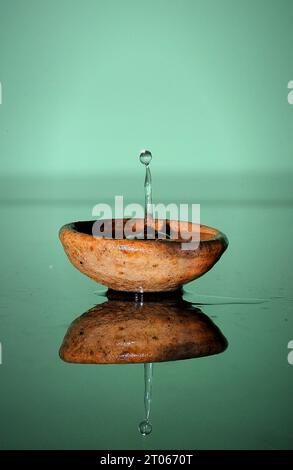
145,157
145,428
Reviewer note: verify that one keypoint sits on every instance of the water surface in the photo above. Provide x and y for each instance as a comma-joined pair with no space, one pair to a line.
239,399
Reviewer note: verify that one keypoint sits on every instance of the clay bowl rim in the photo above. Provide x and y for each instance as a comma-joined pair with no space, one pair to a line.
216,235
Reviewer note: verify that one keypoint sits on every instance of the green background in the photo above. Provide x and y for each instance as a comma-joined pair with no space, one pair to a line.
86,84
203,84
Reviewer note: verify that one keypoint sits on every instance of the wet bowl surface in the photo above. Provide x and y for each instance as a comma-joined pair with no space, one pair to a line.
143,265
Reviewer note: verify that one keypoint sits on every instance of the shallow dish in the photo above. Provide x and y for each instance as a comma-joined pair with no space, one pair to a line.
142,265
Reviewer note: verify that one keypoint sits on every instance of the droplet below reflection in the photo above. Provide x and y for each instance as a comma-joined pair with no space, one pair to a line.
145,428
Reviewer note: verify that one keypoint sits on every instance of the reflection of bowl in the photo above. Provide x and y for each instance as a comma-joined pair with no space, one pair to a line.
127,331
142,265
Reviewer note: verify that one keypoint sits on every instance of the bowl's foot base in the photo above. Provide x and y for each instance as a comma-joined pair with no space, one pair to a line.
139,296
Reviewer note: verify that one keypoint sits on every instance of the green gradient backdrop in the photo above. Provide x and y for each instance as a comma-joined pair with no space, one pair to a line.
203,84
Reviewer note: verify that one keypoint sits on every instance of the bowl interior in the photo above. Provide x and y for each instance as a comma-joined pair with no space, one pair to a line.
137,228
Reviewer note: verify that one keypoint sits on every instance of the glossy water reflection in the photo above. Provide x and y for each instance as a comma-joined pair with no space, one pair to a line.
145,427
132,330
141,328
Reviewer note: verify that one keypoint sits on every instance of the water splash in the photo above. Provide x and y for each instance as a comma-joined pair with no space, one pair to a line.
145,426
145,158
207,299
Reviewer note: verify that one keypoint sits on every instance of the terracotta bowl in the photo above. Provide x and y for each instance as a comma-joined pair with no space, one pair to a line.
127,331
142,265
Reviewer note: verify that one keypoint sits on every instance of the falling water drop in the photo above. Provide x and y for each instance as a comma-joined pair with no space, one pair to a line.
145,426
145,157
